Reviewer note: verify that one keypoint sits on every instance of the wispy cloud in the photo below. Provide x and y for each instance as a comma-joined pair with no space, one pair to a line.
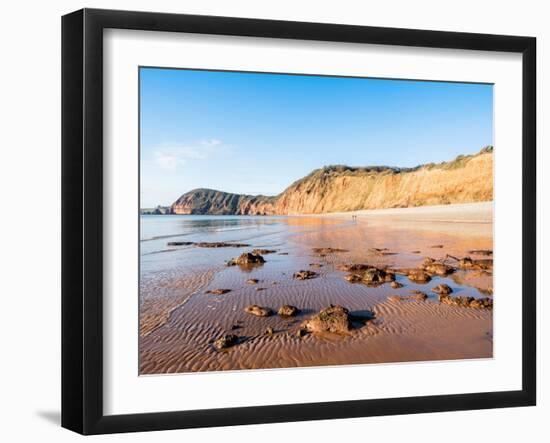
172,156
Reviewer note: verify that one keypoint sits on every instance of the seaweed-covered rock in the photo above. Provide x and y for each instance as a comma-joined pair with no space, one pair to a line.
288,311
258,311
334,319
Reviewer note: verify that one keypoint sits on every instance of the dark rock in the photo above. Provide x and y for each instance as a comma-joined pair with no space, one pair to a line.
437,246
301,333
304,275
226,341
374,275
252,281
396,285
288,311
416,252
316,265
247,259
269,331
179,243
334,319
258,311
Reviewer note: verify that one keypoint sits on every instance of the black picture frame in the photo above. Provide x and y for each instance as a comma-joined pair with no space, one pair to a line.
82,218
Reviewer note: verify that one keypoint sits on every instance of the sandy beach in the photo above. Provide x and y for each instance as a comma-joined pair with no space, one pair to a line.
182,316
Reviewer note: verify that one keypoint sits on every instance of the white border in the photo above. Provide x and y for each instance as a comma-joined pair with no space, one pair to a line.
125,392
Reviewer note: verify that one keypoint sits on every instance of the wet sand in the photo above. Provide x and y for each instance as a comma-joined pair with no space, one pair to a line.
179,320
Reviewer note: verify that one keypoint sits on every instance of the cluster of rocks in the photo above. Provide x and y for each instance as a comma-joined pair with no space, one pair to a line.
337,319
228,340
467,302
369,275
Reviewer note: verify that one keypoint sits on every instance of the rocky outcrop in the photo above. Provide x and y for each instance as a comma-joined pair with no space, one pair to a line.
159,210
209,201
465,179
334,319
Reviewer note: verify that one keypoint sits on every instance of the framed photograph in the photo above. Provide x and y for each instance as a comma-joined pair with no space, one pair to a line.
268,221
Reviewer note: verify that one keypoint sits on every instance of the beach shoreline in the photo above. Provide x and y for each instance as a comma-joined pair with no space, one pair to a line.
401,328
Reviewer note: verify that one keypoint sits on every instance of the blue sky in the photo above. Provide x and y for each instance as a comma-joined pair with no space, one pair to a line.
257,133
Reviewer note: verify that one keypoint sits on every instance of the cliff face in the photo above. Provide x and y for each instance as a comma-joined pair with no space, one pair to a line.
341,188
